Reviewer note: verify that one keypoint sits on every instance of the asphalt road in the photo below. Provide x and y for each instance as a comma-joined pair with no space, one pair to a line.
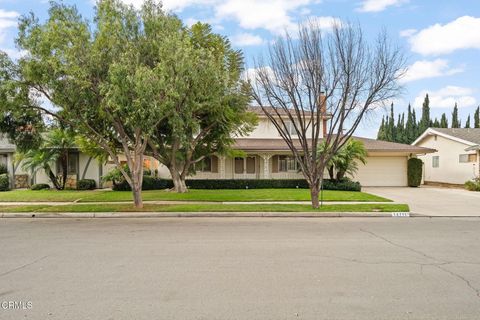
241,268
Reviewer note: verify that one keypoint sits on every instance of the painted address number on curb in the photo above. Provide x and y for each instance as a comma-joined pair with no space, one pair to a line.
400,214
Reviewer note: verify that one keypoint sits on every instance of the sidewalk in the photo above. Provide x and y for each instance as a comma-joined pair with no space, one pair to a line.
201,214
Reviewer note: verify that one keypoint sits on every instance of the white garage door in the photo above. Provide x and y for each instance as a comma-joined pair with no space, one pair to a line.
383,171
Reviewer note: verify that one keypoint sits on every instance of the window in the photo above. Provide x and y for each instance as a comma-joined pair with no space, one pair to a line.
287,163
245,165
465,158
205,165
435,161
290,128
238,165
250,164
72,164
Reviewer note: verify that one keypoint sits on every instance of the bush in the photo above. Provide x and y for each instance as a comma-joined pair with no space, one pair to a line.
40,186
473,185
4,182
151,183
86,184
414,172
3,168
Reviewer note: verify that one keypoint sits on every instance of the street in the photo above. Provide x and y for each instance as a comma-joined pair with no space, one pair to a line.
241,268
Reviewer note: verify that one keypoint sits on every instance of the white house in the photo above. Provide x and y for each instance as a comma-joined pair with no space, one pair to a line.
268,157
457,158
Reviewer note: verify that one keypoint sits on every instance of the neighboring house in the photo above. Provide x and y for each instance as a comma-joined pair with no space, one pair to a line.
268,157
80,166
457,158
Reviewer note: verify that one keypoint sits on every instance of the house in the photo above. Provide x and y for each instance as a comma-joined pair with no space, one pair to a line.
79,166
268,157
457,158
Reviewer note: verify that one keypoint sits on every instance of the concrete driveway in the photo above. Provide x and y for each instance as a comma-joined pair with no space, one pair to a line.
433,201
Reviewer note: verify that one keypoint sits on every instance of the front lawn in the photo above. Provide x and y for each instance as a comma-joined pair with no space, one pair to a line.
209,208
193,195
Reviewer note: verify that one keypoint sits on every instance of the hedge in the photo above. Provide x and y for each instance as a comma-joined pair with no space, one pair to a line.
151,183
4,182
86,184
40,186
414,172
473,185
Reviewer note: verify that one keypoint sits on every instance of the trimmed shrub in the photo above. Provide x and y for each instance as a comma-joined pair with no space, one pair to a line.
3,168
4,182
414,172
86,184
40,186
151,183
473,185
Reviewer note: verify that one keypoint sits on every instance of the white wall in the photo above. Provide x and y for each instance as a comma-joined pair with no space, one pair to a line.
450,169
267,130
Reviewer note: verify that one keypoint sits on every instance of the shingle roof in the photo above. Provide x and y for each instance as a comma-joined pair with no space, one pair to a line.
371,145
470,134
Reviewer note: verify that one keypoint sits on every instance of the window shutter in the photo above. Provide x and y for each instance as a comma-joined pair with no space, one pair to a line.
275,164
214,162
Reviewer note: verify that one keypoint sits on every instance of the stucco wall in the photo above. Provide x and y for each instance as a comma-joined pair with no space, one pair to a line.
450,169
266,130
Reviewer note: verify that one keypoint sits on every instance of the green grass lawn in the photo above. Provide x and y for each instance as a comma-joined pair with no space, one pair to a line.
193,195
209,208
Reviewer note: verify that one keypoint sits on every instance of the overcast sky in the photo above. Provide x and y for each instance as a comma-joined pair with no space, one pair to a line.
441,38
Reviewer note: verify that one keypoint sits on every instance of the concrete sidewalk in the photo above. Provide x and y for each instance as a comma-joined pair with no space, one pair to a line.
201,214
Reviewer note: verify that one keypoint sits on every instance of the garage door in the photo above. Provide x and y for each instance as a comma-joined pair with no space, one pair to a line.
383,171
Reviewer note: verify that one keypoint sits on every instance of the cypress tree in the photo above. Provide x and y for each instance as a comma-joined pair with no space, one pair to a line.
436,124
455,122
391,125
381,130
444,121
476,118
410,126
467,124
425,121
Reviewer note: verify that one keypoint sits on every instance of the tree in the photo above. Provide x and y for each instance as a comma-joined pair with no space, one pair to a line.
467,124
425,121
316,76
476,118
106,80
53,152
346,161
391,134
444,121
381,131
410,126
436,123
455,122
208,99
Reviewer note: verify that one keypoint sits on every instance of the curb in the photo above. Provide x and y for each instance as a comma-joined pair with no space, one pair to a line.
103,215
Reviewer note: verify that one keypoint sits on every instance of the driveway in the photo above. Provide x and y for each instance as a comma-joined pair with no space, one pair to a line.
433,201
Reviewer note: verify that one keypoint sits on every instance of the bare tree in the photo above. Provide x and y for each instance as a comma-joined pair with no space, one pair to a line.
316,76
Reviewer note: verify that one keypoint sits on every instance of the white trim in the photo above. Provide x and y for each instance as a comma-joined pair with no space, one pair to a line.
431,131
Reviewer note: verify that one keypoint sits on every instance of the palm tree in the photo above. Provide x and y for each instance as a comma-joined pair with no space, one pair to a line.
345,161
53,149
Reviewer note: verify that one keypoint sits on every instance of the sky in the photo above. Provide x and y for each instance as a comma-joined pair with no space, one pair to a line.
440,38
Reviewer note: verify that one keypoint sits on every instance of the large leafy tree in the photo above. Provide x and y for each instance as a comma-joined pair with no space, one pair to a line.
207,97
106,80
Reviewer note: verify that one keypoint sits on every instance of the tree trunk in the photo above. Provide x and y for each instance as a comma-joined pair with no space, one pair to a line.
179,184
314,193
137,196
331,173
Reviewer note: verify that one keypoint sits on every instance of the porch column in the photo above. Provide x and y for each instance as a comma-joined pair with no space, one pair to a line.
221,167
266,167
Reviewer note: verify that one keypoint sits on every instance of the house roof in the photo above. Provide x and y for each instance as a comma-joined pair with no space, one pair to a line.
468,136
371,145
